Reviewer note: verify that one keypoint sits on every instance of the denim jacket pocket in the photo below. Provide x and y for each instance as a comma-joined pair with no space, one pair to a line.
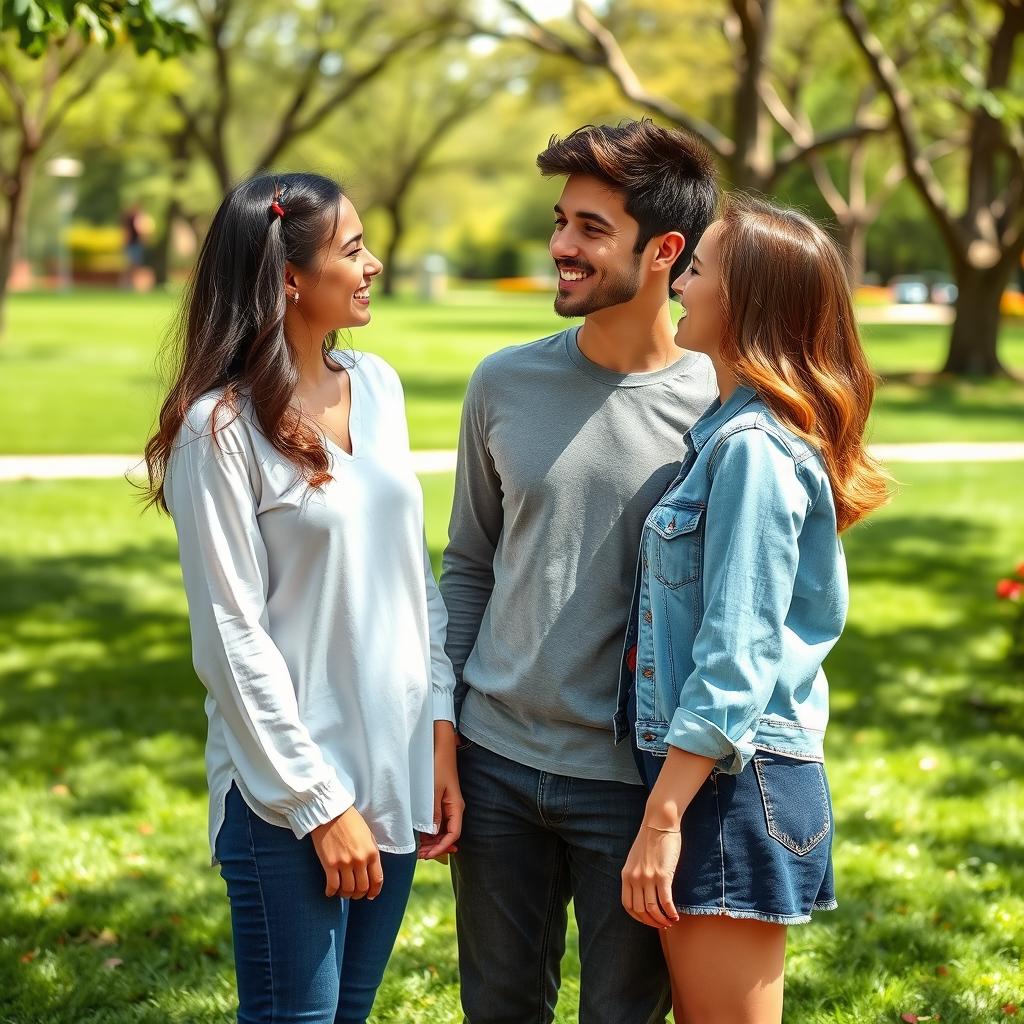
677,543
796,803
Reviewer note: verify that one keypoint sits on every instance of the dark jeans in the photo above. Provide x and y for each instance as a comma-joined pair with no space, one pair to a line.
299,955
531,841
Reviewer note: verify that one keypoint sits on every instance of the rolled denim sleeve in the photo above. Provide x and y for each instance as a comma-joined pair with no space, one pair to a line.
756,508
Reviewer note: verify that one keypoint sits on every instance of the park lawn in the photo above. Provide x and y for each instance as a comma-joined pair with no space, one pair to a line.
78,373
111,914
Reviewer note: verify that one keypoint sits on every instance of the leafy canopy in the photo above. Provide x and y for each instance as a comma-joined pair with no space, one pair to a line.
41,22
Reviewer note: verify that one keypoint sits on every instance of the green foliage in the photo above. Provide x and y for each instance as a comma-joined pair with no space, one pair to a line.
38,23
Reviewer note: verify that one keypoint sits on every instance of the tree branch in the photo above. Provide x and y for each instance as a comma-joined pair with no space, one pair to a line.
347,90
56,117
986,131
797,152
890,81
615,61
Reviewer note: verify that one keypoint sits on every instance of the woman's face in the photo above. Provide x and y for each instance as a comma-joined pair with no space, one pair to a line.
336,292
699,290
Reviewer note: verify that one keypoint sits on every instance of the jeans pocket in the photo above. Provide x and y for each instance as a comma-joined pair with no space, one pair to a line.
796,803
464,745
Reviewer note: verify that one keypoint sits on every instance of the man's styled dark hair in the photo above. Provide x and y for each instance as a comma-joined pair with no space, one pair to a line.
667,176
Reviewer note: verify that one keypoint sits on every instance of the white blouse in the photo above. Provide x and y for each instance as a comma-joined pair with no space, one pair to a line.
317,627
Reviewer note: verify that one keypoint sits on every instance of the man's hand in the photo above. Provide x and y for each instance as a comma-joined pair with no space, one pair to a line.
448,802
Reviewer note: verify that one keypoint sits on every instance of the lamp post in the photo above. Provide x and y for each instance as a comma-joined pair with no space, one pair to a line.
65,169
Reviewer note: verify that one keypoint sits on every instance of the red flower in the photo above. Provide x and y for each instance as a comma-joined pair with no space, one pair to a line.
1009,590
1020,570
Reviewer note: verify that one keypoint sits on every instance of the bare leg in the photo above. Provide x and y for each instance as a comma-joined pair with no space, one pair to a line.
726,970
677,1011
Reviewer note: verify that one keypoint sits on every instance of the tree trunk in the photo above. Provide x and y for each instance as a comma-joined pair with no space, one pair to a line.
752,165
178,146
14,229
390,272
973,342
161,255
853,236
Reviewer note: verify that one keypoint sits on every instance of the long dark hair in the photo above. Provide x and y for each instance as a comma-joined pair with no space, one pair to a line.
791,335
229,333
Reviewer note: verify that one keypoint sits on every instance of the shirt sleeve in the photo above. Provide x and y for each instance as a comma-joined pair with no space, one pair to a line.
224,565
467,577
442,678
756,510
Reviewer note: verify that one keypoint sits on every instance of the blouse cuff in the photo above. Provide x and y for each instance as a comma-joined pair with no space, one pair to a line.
327,802
444,704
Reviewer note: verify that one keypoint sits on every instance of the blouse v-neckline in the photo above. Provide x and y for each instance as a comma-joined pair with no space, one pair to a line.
348,366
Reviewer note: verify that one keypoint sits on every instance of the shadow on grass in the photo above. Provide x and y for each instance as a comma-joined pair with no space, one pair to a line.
97,665
131,948
937,555
945,396
102,671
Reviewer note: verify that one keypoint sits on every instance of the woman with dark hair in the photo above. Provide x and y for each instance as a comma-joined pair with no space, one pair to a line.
317,628
741,592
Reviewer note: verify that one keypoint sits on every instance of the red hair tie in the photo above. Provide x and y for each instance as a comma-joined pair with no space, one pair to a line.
277,208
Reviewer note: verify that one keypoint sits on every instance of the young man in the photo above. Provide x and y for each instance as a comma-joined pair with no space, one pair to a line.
566,444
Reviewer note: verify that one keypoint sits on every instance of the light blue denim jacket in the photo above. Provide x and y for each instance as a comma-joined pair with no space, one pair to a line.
740,594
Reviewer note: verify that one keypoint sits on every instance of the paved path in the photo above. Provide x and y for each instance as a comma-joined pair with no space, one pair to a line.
78,467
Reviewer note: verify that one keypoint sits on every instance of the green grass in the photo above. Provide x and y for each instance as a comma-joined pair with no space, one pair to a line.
78,372
102,794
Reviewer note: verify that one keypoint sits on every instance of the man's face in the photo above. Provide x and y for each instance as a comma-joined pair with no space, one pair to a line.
592,246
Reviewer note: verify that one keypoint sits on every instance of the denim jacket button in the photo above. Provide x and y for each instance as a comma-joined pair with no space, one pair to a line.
648,617
648,736
648,673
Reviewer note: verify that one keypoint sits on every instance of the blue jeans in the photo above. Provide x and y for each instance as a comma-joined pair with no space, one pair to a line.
531,841
299,955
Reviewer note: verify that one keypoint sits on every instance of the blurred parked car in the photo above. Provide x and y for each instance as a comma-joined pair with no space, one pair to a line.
908,289
926,286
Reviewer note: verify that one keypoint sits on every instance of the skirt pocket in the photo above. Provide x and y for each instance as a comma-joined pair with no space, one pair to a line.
796,802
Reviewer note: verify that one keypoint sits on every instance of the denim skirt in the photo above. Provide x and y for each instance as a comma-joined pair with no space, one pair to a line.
755,845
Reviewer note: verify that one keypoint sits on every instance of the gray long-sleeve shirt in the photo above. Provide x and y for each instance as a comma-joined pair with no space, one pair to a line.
560,460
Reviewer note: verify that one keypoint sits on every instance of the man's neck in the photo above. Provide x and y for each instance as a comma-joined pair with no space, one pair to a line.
634,337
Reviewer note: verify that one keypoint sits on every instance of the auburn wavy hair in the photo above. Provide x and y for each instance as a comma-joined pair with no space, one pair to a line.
790,334
229,333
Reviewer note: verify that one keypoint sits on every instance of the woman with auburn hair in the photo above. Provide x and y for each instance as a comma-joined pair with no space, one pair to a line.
317,628
741,591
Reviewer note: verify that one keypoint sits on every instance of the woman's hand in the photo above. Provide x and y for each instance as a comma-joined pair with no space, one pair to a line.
448,802
647,876
350,858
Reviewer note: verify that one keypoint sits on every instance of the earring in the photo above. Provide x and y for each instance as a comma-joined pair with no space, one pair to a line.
295,298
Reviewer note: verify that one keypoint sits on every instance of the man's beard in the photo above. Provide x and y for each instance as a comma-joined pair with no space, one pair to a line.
613,291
